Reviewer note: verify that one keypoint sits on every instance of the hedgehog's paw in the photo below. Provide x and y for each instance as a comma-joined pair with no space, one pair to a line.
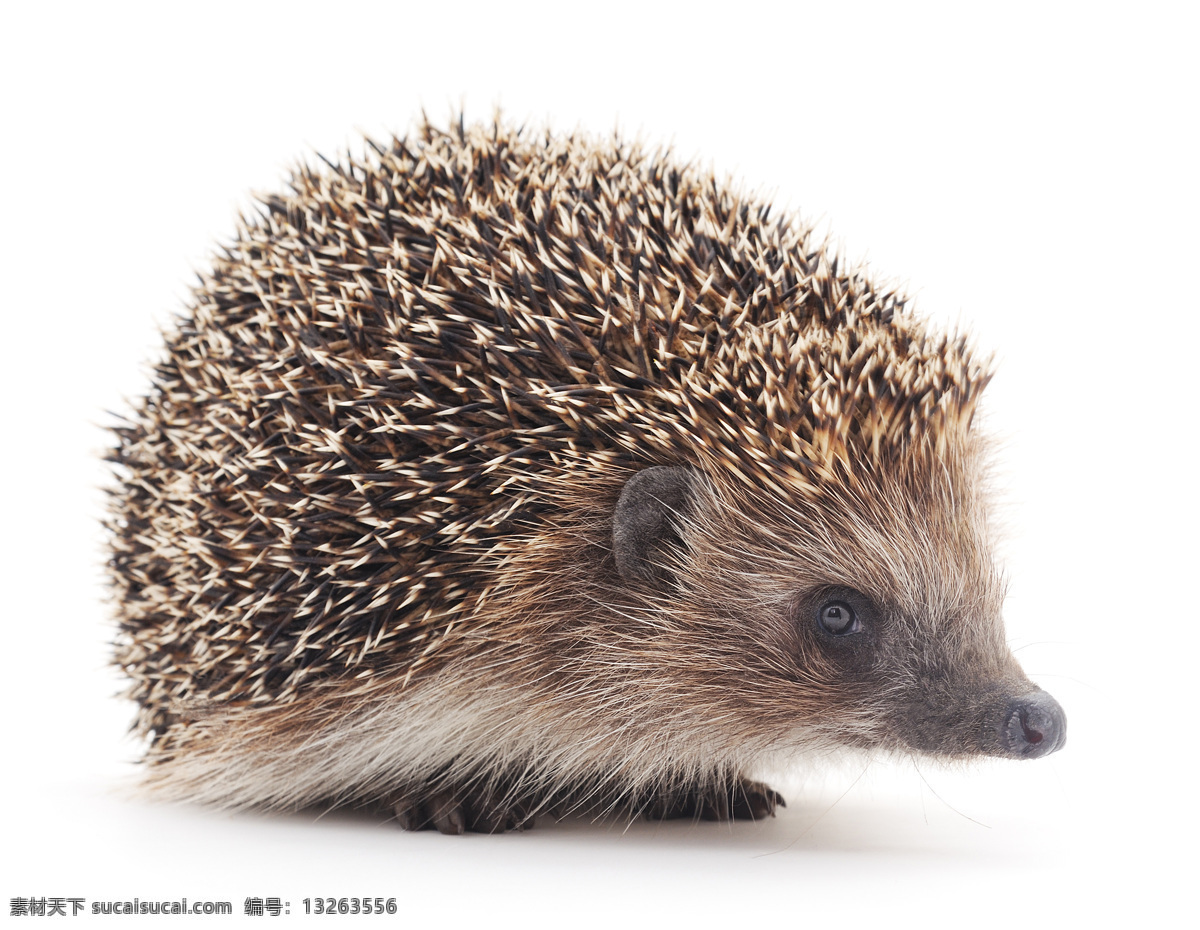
741,799
454,813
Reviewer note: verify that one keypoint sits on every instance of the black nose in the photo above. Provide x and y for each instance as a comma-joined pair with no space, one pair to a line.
1033,726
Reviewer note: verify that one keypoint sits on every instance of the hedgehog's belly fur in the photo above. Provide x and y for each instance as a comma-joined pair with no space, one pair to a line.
452,733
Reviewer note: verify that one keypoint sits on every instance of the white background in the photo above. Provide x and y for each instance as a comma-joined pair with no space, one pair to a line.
1028,170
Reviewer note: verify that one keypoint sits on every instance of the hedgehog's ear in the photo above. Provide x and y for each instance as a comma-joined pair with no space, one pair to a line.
647,519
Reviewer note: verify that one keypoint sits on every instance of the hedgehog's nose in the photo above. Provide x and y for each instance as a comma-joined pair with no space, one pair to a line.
1032,726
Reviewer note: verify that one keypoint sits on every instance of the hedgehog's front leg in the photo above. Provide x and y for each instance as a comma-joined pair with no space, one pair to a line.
739,799
455,812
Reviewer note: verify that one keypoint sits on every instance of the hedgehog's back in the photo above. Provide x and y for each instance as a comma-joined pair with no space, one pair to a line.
381,377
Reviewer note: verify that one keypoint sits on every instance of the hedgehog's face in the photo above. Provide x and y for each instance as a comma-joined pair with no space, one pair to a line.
937,681
863,617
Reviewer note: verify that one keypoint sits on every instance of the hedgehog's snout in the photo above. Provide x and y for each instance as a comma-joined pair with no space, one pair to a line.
1030,727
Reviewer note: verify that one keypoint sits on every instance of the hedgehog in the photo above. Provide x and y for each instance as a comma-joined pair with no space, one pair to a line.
492,473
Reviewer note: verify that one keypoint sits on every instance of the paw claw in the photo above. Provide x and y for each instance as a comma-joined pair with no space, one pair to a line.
409,815
450,822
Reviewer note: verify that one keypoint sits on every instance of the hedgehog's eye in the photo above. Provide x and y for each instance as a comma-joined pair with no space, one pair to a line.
838,618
